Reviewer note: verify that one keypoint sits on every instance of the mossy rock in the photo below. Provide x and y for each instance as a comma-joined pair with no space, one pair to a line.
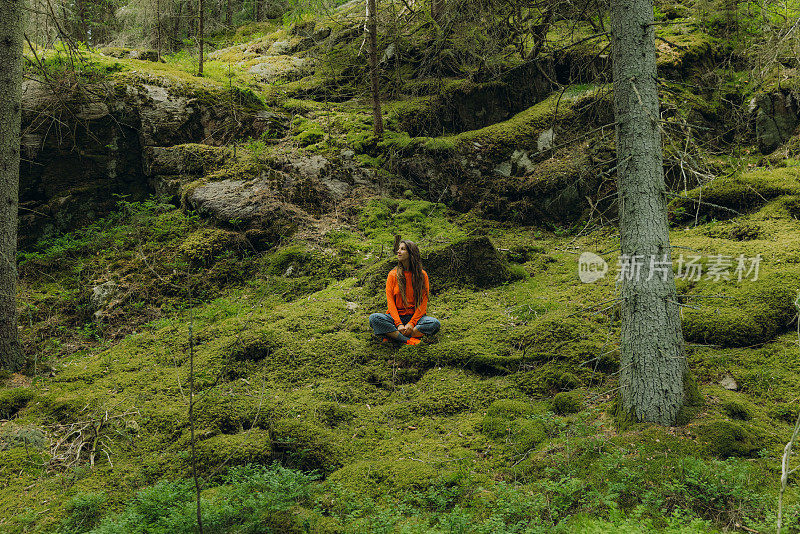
724,439
757,312
384,477
13,400
478,354
786,413
727,197
306,446
565,403
510,422
739,231
250,447
67,408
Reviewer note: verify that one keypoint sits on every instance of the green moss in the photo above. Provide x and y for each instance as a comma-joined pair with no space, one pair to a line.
205,245
737,410
375,478
13,400
332,414
565,403
724,439
249,447
306,445
692,399
756,313
726,196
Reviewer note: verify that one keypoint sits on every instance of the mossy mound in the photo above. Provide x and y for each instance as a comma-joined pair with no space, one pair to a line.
13,400
729,196
725,439
306,446
249,447
204,246
561,338
566,403
515,424
755,313
384,477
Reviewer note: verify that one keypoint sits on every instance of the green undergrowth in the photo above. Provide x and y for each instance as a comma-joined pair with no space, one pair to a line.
499,426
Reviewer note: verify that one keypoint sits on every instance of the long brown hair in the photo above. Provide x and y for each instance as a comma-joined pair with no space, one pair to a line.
417,278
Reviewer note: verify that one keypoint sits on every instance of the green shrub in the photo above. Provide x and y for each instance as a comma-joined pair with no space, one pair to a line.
84,512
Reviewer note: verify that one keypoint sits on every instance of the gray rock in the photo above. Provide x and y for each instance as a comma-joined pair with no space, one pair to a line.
545,141
228,200
102,295
729,383
280,48
521,163
503,169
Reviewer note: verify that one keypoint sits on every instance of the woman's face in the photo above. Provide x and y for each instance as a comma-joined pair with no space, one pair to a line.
402,253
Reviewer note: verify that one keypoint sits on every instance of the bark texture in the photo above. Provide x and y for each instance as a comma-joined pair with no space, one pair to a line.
10,117
653,362
372,30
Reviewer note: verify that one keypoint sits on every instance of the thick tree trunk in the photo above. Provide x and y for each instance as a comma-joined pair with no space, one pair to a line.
653,363
10,116
372,30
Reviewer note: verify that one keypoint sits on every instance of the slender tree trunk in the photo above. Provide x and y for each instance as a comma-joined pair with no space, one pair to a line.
158,29
257,11
228,14
653,363
10,116
177,29
372,30
200,20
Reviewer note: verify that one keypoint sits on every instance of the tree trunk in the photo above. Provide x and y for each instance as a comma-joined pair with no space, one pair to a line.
653,362
228,14
158,29
372,30
10,116
200,19
257,11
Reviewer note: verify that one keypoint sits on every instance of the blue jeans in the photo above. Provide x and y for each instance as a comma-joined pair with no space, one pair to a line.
382,323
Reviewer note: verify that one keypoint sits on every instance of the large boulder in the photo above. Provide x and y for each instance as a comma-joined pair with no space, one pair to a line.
85,146
775,117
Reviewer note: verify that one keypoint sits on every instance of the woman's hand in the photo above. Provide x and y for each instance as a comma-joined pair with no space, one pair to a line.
405,329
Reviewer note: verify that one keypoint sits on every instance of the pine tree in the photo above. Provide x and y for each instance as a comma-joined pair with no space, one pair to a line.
653,362
10,117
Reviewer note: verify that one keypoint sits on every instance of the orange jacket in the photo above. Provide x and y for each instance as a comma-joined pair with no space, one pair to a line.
396,306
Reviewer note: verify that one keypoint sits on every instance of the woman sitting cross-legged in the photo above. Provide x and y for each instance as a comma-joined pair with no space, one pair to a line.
407,290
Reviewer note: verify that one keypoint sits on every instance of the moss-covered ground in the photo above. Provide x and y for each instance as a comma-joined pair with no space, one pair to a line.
501,424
